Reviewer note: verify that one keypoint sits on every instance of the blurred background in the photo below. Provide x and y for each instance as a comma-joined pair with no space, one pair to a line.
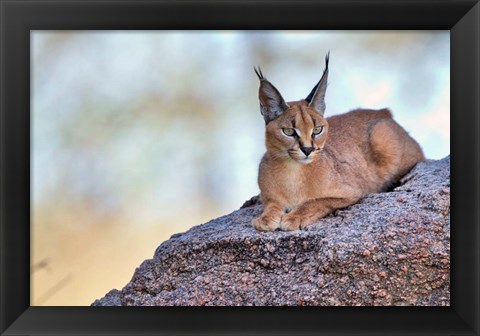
139,135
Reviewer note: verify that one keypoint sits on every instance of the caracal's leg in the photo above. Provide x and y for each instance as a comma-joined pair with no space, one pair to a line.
269,220
310,211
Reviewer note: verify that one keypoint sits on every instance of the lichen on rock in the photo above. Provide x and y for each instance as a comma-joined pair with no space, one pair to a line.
390,248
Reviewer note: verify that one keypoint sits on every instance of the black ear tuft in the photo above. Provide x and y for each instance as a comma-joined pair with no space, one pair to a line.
259,73
310,95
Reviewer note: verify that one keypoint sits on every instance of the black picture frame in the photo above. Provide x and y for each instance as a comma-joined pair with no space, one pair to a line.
19,17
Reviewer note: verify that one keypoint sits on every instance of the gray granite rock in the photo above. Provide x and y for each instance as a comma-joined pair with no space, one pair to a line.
390,248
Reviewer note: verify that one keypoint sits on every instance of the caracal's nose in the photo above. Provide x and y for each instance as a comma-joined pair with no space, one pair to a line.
307,150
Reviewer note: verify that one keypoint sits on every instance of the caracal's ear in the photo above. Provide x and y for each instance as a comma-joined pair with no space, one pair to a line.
272,103
316,98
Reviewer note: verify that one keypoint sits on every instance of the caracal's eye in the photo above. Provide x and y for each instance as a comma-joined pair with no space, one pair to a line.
317,130
288,131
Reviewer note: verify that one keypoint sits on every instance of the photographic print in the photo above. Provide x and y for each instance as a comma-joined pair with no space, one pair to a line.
240,168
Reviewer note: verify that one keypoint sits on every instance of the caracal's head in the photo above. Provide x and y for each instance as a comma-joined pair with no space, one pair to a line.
294,130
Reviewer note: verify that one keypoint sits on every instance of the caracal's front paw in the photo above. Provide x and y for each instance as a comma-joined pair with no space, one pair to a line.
266,223
292,221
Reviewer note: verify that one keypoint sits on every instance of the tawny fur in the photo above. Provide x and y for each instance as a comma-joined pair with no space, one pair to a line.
358,153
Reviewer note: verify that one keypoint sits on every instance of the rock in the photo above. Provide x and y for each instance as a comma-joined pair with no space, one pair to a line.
390,248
